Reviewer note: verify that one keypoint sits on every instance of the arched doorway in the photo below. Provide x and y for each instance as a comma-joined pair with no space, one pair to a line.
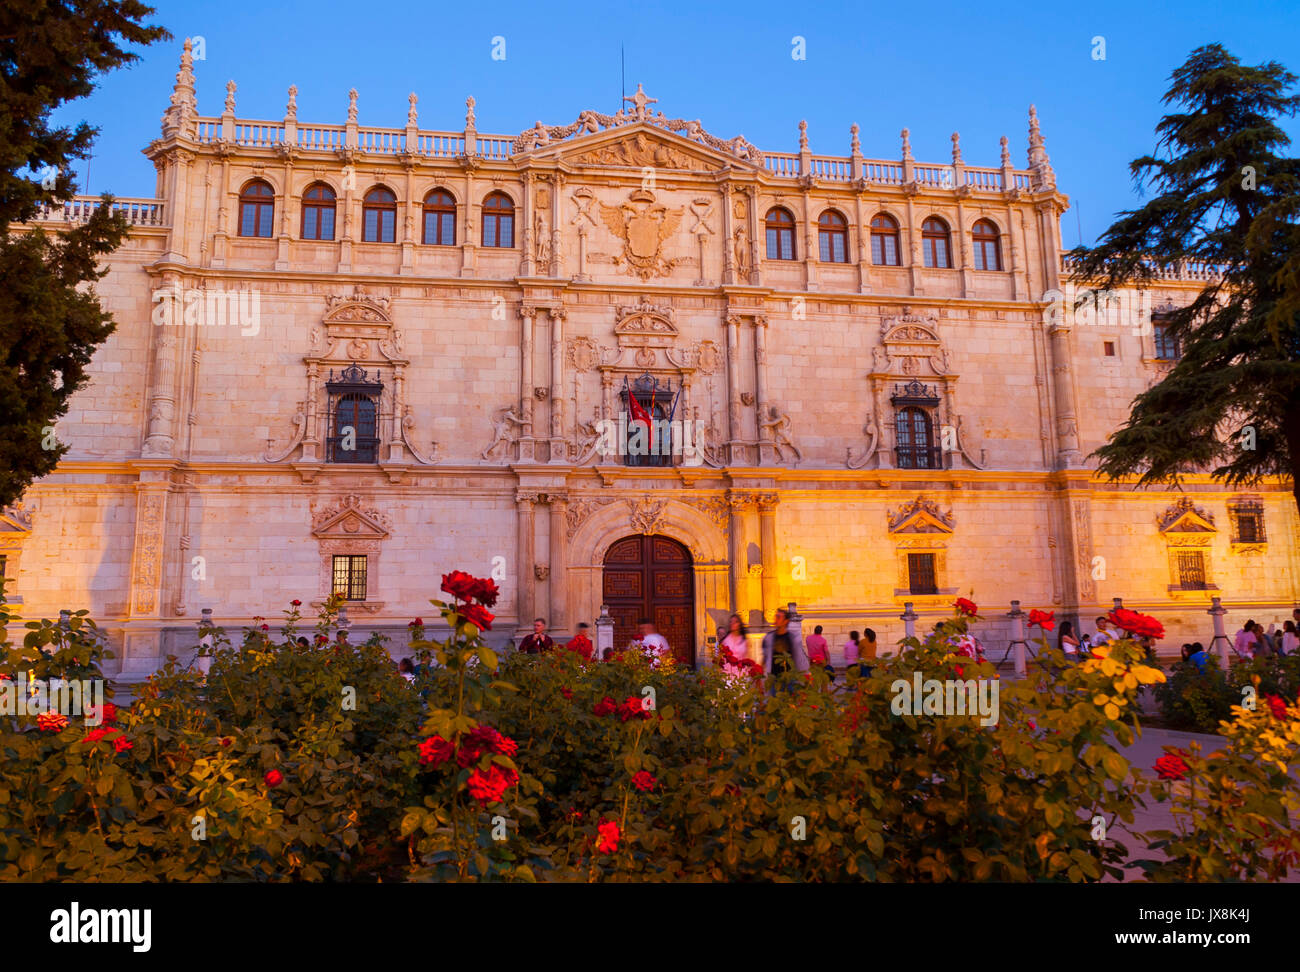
652,577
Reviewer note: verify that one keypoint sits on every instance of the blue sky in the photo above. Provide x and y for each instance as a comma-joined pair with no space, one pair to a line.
936,68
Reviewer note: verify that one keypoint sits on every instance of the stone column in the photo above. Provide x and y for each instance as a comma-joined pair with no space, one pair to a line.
559,557
734,448
767,503
160,441
557,262
470,205
760,384
408,228
916,264
558,449
809,243
524,507
728,240
1068,454
1217,611
525,227
908,617
527,317
737,503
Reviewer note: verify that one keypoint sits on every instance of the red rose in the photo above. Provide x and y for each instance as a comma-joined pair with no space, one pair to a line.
965,607
645,782
226,741
469,753
490,786
121,745
485,591
296,603
960,670
1277,705
1171,766
435,751
566,692
273,778
52,722
1135,623
417,623
477,616
266,627
485,737
1044,619
608,841
604,707
633,707
459,585
98,734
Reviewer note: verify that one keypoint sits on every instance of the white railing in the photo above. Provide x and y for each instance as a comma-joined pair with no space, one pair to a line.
440,145
209,131
384,141
886,173
321,138
1022,180
495,147
258,134
782,165
1187,271
832,169
985,180
138,212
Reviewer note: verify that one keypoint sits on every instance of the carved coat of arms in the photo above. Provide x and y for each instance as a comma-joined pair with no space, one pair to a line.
643,226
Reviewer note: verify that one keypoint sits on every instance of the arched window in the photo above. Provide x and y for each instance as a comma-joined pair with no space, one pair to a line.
354,416
884,241
498,220
914,438
318,212
988,251
780,234
256,209
379,216
833,237
439,219
934,243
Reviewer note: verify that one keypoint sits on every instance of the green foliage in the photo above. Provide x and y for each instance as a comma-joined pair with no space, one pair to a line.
50,321
1222,195
1198,702
618,771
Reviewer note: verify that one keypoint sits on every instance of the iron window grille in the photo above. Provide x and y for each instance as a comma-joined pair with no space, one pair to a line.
914,439
1247,521
354,403
657,400
1191,570
920,574
350,576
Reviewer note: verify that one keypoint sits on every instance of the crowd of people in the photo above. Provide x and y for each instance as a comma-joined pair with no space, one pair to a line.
783,649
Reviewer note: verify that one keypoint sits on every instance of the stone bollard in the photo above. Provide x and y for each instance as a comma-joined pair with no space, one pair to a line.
604,633
1017,617
206,642
1217,612
908,617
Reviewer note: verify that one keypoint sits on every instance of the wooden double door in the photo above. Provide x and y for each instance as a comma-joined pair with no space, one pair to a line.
652,577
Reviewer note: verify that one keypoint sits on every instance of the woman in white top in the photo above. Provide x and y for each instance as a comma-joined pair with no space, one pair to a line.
1067,642
735,641
1290,638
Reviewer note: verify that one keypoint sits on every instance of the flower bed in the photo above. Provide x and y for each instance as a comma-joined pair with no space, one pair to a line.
322,763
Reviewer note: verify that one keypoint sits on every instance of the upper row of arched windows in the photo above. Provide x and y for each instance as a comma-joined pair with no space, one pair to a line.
833,240
378,215
379,225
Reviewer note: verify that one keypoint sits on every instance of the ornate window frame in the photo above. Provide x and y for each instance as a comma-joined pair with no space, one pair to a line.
921,527
15,531
1188,527
351,527
1253,506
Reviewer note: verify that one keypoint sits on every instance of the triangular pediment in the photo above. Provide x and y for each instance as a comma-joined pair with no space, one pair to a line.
635,147
1185,517
920,516
348,520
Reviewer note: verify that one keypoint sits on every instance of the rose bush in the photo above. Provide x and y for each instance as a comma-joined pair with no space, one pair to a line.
321,763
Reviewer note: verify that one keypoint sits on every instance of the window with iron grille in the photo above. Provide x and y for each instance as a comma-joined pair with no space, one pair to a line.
1247,521
1191,570
1167,348
354,416
350,576
653,447
920,574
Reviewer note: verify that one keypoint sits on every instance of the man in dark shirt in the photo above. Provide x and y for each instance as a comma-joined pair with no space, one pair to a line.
783,649
538,641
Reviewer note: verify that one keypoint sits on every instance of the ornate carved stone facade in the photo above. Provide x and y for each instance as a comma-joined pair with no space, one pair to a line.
859,419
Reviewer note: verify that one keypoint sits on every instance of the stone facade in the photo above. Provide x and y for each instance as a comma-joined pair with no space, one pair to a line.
200,472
